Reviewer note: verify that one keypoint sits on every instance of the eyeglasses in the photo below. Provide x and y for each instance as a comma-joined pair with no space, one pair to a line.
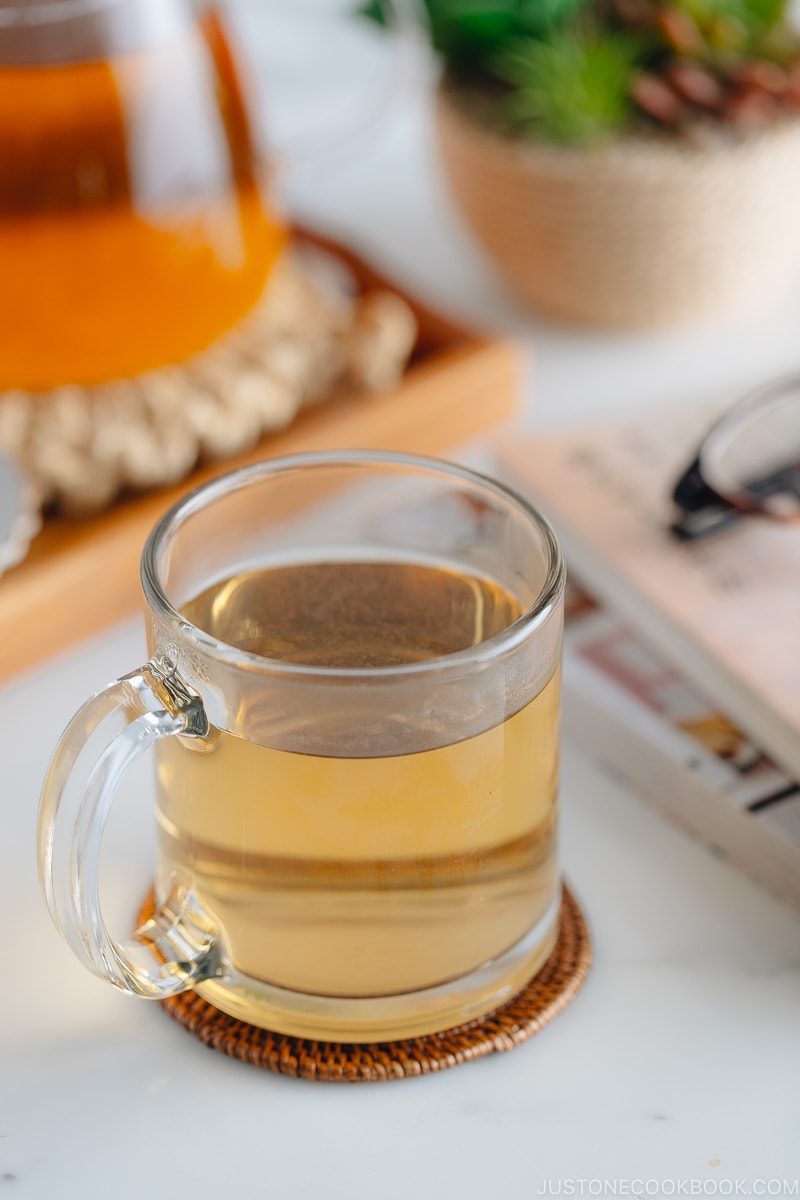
748,462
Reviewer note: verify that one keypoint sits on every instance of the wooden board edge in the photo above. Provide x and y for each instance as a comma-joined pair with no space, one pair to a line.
85,576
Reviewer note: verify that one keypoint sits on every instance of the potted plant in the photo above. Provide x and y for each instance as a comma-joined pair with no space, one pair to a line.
625,162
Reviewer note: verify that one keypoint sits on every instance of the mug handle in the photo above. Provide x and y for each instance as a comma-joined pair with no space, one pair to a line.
127,717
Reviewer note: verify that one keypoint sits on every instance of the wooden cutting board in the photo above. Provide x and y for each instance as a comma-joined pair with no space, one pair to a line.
83,575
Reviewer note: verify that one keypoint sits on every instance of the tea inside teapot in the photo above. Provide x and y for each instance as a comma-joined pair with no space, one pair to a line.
133,223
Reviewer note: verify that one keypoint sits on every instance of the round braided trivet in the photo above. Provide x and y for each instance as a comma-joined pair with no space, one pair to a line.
310,339
551,990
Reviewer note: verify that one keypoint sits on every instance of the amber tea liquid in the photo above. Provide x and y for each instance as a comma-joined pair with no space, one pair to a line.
133,225
368,875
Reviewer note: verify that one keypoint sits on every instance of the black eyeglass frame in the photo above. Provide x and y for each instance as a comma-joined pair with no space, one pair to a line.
708,500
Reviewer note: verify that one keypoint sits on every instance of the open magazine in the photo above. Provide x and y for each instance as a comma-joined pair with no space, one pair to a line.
725,612
641,718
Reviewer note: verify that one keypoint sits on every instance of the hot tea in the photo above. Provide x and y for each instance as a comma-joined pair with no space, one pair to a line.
350,872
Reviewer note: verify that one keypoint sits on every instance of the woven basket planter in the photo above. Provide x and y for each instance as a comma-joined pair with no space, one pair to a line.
638,233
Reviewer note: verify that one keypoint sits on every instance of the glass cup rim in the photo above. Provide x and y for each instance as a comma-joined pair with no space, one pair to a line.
206,494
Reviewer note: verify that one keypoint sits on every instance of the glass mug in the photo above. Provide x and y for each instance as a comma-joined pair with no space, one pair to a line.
353,699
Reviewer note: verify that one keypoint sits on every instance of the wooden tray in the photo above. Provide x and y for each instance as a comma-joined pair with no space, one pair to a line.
83,575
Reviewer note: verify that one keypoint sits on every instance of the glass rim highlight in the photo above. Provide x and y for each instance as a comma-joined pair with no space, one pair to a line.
207,494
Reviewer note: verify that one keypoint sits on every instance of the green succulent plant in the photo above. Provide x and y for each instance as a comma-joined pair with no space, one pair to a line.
576,71
573,88
470,32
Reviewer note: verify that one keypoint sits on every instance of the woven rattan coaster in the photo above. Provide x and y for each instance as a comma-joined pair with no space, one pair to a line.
551,990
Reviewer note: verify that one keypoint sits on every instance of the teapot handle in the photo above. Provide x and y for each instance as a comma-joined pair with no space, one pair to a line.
312,146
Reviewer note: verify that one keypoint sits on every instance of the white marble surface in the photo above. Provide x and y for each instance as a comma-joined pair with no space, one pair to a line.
674,1072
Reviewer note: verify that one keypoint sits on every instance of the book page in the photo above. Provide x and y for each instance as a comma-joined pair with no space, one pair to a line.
710,745
640,718
736,594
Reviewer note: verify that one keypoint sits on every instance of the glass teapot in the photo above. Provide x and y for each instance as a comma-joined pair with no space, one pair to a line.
134,222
